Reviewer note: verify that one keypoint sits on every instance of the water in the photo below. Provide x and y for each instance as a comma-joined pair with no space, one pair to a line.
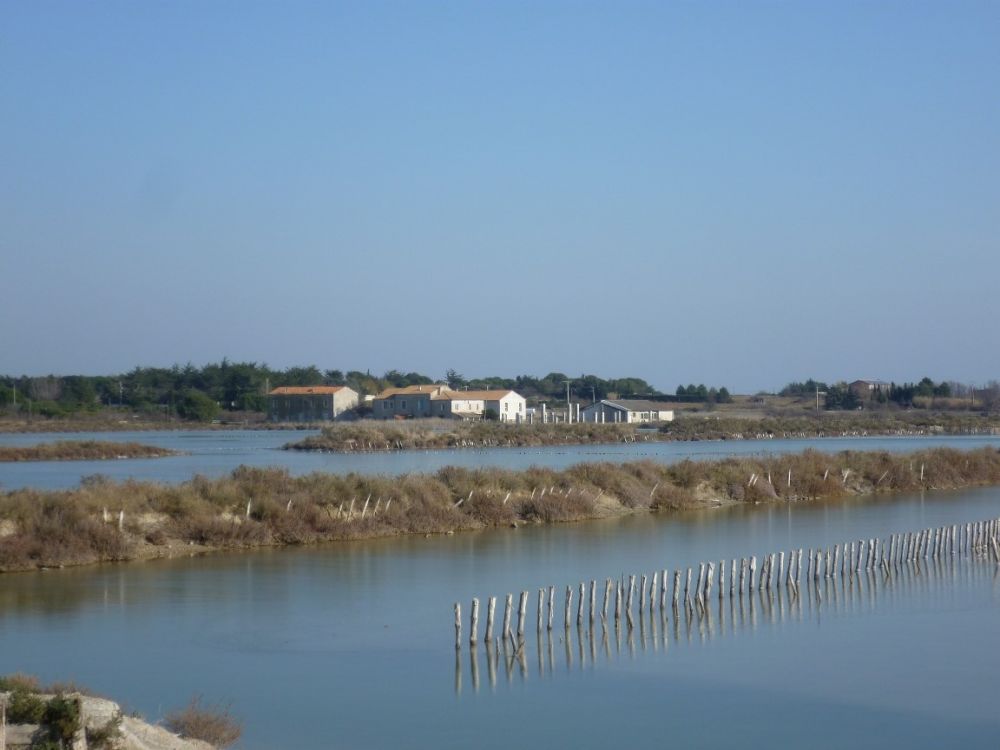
217,453
351,645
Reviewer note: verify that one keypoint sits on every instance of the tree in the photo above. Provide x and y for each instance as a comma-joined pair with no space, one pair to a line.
724,397
196,406
454,379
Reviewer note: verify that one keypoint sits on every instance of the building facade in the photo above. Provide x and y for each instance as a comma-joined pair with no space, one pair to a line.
419,401
316,403
628,411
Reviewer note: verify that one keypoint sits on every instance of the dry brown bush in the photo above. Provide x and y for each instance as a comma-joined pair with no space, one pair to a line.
199,721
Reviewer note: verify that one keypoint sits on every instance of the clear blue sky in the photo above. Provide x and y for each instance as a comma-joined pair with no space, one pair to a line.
729,193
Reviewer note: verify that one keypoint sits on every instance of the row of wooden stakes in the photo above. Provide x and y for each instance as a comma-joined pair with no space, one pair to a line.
839,560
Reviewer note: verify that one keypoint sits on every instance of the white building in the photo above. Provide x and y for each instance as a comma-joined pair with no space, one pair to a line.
628,411
439,401
508,406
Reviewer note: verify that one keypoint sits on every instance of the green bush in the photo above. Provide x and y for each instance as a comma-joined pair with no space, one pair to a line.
25,708
62,718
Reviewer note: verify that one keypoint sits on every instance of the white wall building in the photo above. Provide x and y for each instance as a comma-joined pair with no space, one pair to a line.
628,411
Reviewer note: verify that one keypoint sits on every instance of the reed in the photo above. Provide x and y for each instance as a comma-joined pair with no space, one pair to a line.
104,520
81,450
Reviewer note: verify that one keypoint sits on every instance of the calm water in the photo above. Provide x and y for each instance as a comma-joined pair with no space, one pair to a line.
351,645
218,453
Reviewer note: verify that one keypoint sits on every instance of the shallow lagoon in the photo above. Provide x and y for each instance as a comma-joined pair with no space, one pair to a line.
217,453
352,645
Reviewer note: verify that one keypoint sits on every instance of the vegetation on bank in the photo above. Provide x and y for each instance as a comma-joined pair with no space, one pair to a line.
259,507
63,711
81,450
853,424
437,434
428,434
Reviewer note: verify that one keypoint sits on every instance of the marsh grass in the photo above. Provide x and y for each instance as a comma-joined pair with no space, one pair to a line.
81,450
215,725
53,528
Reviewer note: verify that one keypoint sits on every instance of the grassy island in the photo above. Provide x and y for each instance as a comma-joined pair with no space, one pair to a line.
439,434
82,450
104,520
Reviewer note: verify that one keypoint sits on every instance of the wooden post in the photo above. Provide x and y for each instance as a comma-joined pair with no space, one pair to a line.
508,608
699,587
781,567
121,518
652,590
569,606
687,588
618,603
522,611
642,595
628,600
663,589
743,575
722,578
732,577
552,605
458,625
607,598
491,607
593,599
580,605
541,608
753,570
677,587
710,575
474,622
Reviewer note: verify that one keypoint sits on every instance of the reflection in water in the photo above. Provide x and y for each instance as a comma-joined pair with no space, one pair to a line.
853,595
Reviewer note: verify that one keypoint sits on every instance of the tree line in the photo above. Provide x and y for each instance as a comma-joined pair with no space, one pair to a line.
199,393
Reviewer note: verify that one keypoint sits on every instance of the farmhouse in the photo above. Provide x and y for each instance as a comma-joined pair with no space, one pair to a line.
628,411
406,403
313,403
867,389
508,406
439,401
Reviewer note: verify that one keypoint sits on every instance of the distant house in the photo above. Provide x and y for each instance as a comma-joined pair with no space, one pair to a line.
438,400
508,406
628,411
406,403
867,389
311,403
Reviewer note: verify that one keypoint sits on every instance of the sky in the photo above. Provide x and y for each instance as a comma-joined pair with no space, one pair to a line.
740,194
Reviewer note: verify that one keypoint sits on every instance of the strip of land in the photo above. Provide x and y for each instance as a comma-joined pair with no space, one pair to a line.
112,521
438,434
81,450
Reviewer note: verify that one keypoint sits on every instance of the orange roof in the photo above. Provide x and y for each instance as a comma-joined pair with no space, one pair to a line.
473,395
412,389
304,390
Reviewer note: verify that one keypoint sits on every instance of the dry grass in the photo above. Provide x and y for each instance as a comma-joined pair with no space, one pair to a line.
435,434
81,450
199,721
78,526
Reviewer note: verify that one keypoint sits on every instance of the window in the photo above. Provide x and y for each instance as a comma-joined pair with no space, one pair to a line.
402,404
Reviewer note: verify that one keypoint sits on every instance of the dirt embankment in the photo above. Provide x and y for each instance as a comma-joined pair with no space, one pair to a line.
107,521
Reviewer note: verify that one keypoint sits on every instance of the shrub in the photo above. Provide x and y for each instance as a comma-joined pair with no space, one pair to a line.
212,724
25,708
62,718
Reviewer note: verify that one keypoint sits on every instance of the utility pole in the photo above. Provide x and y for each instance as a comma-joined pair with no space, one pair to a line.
569,414
593,395
818,394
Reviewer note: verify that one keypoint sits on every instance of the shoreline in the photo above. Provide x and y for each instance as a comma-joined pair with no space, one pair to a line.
82,450
105,521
